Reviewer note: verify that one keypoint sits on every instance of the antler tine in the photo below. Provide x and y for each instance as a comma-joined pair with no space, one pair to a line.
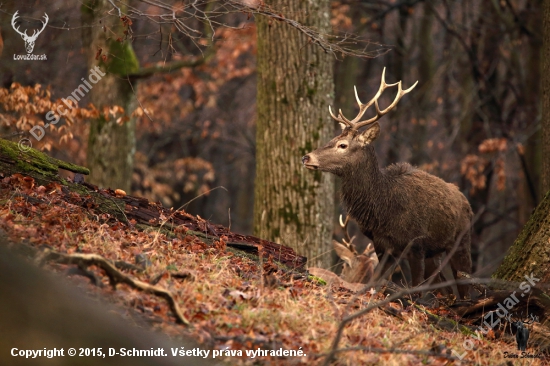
46,18
36,31
347,240
355,123
510,317
340,117
533,319
379,113
13,19
363,107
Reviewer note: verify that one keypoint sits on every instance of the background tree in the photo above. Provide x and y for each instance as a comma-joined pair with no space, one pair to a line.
295,87
529,253
546,97
112,142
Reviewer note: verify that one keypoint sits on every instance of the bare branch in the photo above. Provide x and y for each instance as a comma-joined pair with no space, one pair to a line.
209,12
117,8
368,309
115,276
174,65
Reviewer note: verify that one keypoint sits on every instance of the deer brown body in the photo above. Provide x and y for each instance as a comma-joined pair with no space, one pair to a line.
398,207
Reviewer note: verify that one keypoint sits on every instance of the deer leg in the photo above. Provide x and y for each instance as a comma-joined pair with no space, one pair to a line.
432,265
404,273
462,261
384,269
417,264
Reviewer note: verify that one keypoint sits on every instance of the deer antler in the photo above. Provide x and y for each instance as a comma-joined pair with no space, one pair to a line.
354,123
347,241
534,318
46,18
510,319
13,19
24,34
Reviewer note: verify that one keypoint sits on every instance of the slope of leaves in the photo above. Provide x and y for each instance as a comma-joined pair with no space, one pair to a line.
231,301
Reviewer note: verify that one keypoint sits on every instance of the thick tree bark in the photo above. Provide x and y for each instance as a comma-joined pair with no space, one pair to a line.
295,87
545,123
111,145
529,253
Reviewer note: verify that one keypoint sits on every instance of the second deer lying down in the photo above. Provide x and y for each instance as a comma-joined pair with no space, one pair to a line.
399,207
360,268
357,268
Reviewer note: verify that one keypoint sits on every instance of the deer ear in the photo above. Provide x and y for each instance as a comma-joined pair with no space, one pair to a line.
370,134
342,126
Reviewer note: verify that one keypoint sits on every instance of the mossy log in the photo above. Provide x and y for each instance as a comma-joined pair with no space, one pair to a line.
31,162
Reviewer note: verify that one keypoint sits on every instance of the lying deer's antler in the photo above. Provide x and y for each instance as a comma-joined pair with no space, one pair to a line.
347,241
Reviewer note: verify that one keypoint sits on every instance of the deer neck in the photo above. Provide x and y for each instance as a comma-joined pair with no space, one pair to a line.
362,190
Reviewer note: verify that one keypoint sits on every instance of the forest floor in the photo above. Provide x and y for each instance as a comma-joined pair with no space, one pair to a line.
231,300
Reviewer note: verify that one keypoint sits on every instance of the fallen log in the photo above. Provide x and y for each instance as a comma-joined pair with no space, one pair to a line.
38,168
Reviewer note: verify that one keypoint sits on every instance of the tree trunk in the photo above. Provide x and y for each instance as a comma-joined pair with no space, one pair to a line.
295,87
529,253
532,160
426,70
111,145
398,59
545,122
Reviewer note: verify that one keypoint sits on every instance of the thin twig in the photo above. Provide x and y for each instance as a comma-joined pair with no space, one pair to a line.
200,195
348,319
117,8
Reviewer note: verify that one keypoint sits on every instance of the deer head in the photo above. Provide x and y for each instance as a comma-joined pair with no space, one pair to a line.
29,40
343,150
358,268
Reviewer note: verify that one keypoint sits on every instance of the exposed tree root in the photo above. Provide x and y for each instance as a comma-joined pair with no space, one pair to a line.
115,276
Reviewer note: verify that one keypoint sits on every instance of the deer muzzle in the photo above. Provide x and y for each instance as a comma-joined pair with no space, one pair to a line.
310,162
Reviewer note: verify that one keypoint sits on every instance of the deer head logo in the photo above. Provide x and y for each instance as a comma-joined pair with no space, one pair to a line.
29,40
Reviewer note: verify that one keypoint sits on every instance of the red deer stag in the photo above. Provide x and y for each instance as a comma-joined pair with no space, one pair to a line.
397,207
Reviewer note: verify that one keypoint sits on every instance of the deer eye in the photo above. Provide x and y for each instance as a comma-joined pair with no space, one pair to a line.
342,146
